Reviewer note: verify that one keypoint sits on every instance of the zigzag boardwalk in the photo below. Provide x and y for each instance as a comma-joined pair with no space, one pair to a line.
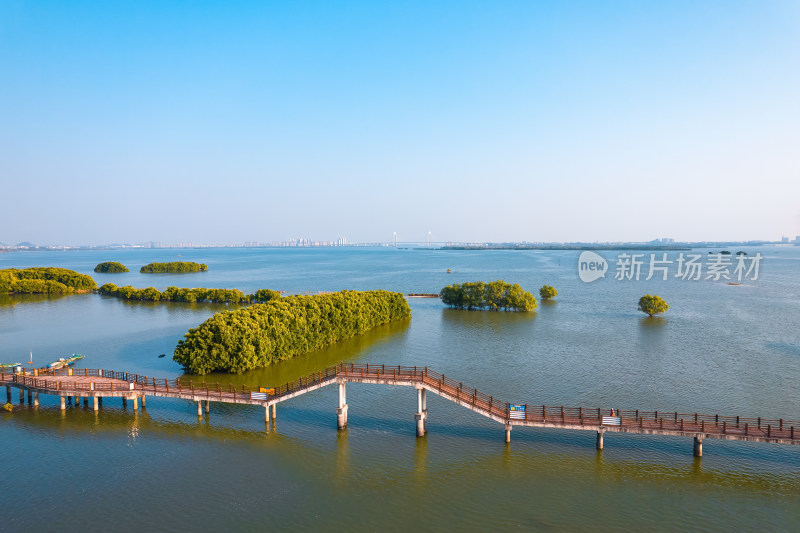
96,384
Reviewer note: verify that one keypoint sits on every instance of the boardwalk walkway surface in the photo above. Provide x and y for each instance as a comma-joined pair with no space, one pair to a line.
98,383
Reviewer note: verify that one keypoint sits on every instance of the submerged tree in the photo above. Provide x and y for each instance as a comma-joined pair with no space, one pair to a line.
494,295
652,304
547,292
111,267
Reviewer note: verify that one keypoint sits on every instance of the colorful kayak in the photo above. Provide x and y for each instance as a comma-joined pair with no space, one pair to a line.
9,365
64,362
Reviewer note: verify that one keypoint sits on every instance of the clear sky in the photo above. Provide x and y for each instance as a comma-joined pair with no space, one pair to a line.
478,121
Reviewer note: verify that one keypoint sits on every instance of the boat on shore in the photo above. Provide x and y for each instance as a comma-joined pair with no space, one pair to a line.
10,365
64,362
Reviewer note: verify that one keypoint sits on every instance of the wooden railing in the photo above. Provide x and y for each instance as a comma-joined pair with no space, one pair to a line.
634,420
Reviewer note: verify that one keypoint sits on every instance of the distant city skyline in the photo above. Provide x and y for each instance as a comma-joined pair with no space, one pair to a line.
343,242
480,122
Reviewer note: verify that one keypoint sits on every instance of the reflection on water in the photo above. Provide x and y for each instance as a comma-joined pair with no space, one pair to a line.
349,350
11,300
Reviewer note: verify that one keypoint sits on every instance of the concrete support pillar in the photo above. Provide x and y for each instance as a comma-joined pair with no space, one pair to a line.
77,401
341,417
86,401
144,401
63,403
698,446
36,399
135,403
600,439
422,412
508,433
199,409
266,415
420,419
21,395
341,410
101,401
425,408
96,403
8,394
30,396
273,412
208,406
124,402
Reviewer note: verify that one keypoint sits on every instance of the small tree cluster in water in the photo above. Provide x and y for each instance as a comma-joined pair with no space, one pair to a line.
175,294
175,267
44,280
254,337
494,295
111,267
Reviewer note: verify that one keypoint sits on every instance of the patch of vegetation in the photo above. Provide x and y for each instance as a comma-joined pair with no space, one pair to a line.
547,292
494,296
254,337
175,294
111,267
652,305
44,280
178,267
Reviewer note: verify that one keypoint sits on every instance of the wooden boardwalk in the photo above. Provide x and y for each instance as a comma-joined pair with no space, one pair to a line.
95,384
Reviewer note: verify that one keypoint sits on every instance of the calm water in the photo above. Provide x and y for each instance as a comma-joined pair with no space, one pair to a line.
720,348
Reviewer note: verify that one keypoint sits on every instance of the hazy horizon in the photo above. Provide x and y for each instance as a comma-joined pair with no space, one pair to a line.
479,122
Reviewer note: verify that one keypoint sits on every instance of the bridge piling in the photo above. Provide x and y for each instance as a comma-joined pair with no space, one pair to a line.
419,417
63,403
30,396
8,394
508,433
341,411
144,401
86,401
96,403
273,414
135,403
22,396
199,409
599,441
36,399
698,445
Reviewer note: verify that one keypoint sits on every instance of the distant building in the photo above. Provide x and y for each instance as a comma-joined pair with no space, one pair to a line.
784,240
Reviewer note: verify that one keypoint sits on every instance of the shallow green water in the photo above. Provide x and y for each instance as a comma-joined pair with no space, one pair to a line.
721,348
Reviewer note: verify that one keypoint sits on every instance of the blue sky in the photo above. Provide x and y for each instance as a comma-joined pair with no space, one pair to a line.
218,122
